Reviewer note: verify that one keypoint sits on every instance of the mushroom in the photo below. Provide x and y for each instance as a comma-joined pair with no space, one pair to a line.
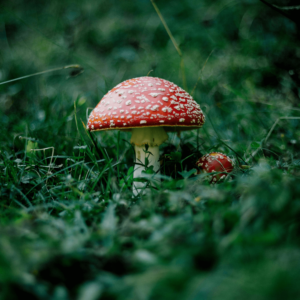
148,107
216,162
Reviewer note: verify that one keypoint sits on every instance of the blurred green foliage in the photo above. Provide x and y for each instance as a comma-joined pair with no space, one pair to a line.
69,227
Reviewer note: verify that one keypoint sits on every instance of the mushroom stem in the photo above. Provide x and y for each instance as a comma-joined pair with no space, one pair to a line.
140,158
153,137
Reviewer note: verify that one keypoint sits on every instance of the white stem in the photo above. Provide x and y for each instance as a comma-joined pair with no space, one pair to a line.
153,137
153,160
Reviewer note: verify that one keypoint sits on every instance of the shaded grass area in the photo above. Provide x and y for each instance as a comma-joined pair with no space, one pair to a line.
70,228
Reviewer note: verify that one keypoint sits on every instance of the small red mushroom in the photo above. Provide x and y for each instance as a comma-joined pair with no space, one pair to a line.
215,162
149,107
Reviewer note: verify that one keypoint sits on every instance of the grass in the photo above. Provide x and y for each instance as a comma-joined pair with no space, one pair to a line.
69,227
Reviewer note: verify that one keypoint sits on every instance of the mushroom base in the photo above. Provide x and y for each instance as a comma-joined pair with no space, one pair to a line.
153,137
140,157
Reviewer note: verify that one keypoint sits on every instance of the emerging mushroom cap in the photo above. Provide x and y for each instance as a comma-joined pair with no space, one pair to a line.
146,102
216,162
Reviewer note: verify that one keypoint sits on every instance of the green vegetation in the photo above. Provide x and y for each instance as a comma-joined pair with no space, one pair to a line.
69,227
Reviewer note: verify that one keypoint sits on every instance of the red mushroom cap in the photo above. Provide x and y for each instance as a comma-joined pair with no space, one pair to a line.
146,102
216,162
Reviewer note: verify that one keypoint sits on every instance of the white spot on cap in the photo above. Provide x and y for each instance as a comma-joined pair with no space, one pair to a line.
143,122
166,108
155,107
160,89
121,111
129,117
154,95
145,98
128,102
177,107
165,98
181,120
161,121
